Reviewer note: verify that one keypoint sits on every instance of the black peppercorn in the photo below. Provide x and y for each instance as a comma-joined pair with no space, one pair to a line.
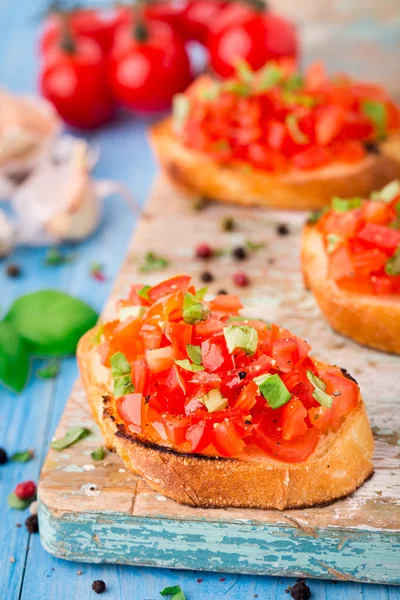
207,277
13,270
98,586
300,591
242,374
32,524
239,253
222,293
228,224
3,456
282,229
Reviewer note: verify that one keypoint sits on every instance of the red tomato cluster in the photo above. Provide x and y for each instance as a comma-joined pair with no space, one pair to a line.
92,61
362,240
275,119
175,348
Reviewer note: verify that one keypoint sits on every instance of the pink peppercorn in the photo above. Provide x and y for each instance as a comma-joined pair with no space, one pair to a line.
204,251
25,490
241,279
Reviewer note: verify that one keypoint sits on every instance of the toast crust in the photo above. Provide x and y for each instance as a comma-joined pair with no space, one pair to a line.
198,174
372,321
341,463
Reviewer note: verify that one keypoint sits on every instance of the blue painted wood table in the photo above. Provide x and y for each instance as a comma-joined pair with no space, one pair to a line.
27,572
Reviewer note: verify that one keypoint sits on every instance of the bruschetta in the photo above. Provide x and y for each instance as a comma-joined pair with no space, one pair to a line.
215,409
278,139
351,263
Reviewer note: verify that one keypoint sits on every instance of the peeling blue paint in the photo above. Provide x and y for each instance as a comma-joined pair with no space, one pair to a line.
236,547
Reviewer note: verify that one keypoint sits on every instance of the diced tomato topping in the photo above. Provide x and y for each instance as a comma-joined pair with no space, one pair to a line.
293,416
226,439
193,392
362,236
130,409
160,360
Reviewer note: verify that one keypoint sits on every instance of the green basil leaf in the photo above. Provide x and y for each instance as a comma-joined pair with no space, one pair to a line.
121,373
319,393
376,111
268,77
71,437
387,193
254,246
241,336
144,292
315,215
239,88
294,83
14,358
153,262
333,241
214,401
193,310
345,204
22,457
99,332
174,591
392,266
98,454
188,366
299,99
180,112
199,295
51,322
14,502
54,257
50,370
194,353
295,132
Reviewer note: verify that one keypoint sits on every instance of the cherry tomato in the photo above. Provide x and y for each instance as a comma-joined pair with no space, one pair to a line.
74,81
86,22
198,16
256,40
149,67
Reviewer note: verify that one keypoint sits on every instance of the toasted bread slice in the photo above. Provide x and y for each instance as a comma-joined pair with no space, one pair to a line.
198,174
372,321
340,464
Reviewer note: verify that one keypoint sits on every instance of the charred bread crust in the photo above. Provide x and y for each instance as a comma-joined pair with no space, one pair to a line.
372,321
198,174
341,463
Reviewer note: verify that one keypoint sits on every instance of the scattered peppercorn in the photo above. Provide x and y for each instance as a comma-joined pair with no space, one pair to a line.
222,293
271,261
25,490
239,253
204,251
200,203
228,224
207,277
222,579
242,374
32,524
300,591
3,456
282,229
98,586
372,147
241,279
13,270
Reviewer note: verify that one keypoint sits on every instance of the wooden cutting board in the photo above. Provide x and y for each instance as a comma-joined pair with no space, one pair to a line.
98,512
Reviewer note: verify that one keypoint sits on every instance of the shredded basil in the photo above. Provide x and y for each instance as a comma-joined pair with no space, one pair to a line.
241,336
121,373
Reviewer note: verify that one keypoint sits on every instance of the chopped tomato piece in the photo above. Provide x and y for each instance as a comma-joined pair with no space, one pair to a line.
379,236
367,262
293,416
160,360
226,439
130,409
313,157
329,122
215,355
180,335
140,375
293,451
176,428
340,263
199,435
181,282
247,397
286,353
226,303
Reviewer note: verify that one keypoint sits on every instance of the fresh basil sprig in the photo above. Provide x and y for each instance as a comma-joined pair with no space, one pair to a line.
51,322
14,358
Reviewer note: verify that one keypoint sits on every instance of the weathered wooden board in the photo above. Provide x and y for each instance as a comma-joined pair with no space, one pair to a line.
97,511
